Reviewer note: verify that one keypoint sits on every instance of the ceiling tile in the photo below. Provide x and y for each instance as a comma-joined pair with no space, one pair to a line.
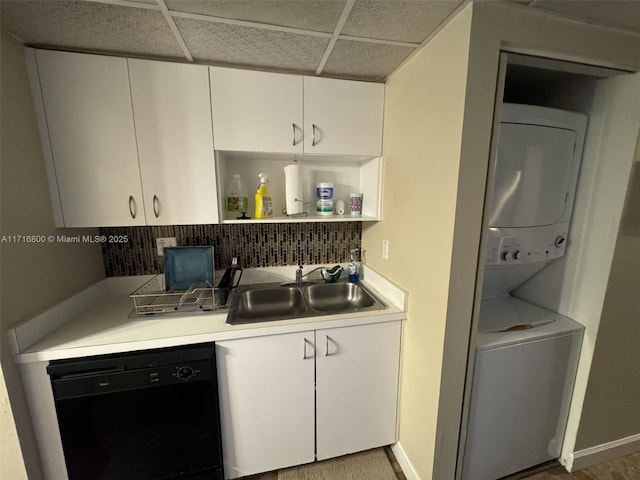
400,20
217,43
90,26
618,13
365,61
320,16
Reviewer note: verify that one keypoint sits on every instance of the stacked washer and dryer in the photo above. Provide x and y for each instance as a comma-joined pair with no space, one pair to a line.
525,356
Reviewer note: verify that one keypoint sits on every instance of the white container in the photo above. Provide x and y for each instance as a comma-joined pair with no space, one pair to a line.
324,197
324,207
324,191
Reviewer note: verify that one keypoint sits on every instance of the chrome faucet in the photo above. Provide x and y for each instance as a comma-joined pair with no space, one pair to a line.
300,275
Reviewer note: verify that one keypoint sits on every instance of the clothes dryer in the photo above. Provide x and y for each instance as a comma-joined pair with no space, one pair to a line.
525,356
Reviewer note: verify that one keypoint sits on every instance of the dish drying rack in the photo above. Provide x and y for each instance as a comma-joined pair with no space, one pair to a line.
152,297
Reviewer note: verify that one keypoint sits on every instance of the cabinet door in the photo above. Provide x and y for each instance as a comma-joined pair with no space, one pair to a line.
172,115
87,104
356,388
343,117
266,402
256,111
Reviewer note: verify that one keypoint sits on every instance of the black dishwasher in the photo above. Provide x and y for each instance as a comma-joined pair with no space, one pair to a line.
141,415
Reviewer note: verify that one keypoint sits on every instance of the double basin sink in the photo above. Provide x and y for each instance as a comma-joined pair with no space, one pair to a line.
274,301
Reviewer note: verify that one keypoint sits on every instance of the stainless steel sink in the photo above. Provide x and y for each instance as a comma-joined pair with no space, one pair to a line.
332,297
270,302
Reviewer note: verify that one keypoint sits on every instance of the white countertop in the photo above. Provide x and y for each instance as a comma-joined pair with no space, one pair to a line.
100,320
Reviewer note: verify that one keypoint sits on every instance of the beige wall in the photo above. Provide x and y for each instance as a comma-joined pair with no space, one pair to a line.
611,408
32,277
423,133
436,158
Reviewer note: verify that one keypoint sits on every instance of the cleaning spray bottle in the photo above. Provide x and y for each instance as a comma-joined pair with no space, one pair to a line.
264,204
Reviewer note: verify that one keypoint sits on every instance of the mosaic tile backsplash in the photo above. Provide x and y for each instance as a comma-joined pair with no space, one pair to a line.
255,244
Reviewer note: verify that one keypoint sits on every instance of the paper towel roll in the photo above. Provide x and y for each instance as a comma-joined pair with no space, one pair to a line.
293,189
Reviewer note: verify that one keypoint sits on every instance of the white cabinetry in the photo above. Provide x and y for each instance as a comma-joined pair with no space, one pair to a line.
175,145
256,111
267,402
356,388
89,139
263,112
342,117
101,161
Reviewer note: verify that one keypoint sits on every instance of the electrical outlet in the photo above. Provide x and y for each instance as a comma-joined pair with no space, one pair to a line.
385,249
165,242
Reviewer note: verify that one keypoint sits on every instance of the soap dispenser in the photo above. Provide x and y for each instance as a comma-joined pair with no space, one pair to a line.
353,267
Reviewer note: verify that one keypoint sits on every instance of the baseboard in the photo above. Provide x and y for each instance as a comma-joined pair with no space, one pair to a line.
407,467
601,453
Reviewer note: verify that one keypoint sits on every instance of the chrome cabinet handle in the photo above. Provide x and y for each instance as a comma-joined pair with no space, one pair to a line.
294,134
132,207
304,352
156,206
326,346
313,141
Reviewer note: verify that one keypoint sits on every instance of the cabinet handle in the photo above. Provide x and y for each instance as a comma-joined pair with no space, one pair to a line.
294,134
304,352
314,128
132,206
156,206
326,346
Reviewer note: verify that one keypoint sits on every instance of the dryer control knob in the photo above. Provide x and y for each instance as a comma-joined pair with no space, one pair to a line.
517,254
507,256
559,241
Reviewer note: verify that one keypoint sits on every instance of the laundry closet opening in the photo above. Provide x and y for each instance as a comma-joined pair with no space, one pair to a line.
553,162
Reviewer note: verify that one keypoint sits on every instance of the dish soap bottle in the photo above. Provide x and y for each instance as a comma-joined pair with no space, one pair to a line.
353,267
237,197
264,204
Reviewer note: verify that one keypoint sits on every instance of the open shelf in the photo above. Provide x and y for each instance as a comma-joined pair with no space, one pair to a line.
347,173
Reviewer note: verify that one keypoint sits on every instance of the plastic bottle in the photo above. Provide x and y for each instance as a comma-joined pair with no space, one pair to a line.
353,267
264,204
237,196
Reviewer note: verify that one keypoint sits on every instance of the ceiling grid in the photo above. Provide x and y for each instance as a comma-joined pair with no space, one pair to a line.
336,34
174,29
352,39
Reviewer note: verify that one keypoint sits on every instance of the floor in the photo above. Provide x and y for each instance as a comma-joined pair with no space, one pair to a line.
392,460
623,468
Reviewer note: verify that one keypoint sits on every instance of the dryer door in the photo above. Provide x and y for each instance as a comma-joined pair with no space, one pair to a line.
533,175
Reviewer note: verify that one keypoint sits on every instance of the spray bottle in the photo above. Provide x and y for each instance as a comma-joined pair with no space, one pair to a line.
264,204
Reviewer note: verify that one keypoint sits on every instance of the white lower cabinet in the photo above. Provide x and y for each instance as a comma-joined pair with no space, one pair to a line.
292,398
356,388
266,402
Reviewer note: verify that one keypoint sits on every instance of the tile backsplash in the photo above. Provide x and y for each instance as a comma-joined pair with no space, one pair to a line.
255,244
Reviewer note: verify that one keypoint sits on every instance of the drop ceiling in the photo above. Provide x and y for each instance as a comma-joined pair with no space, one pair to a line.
358,39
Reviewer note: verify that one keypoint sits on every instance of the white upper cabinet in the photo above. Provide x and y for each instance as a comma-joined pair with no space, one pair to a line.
175,143
91,138
343,117
278,113
256,111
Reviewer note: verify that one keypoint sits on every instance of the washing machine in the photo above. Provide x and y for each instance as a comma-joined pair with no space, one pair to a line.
525,356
